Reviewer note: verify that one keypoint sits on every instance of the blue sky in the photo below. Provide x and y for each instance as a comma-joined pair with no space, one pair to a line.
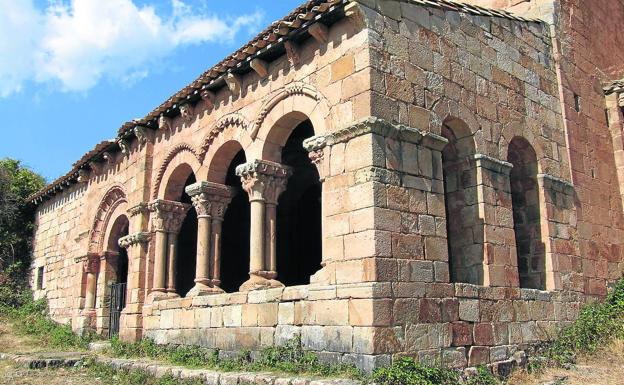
71,72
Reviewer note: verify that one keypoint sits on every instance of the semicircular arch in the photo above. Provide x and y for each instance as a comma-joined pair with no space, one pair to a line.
181,154
113,202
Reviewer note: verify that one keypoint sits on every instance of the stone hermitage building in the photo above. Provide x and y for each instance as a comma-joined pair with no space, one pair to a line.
381,178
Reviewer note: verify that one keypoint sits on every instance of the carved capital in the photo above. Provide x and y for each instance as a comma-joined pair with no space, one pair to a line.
316,152
134,239
263,180
168,215
91,263
139,209
210,198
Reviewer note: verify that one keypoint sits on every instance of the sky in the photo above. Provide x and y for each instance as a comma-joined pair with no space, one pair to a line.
73,71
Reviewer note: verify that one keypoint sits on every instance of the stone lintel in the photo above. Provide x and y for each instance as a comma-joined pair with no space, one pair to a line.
556,184
134,239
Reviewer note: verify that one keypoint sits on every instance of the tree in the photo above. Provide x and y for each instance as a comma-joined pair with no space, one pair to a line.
16,217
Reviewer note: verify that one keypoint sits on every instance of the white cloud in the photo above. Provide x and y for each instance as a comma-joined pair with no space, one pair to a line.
76,44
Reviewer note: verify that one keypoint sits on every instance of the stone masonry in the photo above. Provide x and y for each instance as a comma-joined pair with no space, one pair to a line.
379,178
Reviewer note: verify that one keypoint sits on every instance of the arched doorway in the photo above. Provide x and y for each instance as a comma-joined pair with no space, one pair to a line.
116,274
299,236
526,214
464,227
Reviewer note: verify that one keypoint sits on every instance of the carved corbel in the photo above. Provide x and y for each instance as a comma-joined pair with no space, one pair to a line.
208,97
164,123
83,176
292,52
319,32
124,146
141,133
316,152
234,83
186,111
134,239
95,166
260,66
108,157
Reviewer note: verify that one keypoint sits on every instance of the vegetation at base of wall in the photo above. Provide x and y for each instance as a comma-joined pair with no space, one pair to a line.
289,358
111,376
408,371
598,324
30,317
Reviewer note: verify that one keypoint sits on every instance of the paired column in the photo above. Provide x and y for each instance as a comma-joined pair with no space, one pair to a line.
166,223
210,201
264,181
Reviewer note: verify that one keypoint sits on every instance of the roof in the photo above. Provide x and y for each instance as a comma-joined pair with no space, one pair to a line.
267,45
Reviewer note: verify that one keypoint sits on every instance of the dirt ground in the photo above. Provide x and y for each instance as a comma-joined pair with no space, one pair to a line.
604,368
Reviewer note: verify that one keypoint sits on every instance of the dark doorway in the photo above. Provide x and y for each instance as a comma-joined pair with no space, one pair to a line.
299,238
187,246
235,232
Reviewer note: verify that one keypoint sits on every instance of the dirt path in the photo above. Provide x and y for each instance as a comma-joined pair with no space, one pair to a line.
13,375
604,368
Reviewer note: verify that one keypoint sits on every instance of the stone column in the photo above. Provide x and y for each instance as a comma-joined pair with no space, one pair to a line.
131,319
263,181
166,222
210,200
92,264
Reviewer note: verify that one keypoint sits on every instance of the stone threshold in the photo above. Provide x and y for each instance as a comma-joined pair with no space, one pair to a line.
158,370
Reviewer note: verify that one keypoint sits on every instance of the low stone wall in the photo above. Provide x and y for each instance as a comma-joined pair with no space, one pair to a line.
369,324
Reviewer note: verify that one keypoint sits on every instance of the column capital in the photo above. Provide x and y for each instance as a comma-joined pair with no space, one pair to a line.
210,199
263,180
91,262
168,215
138,209
315,146
134,239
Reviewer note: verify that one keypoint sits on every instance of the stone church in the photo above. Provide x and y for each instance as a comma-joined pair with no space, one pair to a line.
379,178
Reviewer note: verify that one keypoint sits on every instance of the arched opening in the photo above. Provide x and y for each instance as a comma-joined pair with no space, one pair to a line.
119,254
526,214
187,246
299,237
185,261
235,231
464,227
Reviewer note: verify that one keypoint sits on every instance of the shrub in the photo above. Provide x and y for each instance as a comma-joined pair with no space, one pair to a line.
483,377
407,371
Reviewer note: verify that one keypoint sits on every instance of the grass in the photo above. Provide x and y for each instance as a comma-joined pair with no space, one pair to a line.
289,358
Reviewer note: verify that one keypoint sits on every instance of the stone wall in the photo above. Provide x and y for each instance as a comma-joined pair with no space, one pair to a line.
438,241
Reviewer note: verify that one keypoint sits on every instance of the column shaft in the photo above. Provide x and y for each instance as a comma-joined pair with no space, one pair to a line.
256,241
171,263
215,251
271,239
90,292
202,270
160,261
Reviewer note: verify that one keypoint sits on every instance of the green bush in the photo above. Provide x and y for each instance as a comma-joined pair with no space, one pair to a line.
407,371
598,324
483,377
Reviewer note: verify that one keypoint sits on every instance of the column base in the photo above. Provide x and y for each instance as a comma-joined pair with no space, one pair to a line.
202,289
154,296
261,282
